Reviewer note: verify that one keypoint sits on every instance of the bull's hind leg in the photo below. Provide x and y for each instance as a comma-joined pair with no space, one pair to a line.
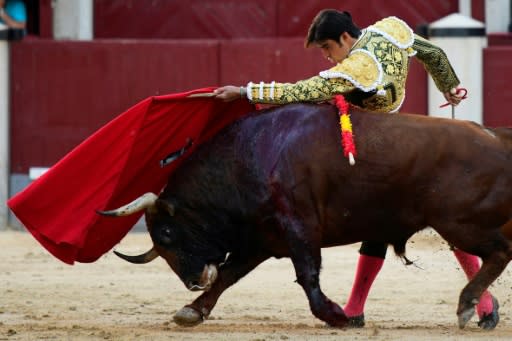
493,265
487,308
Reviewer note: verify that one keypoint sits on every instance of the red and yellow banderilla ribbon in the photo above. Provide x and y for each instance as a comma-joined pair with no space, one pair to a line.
347,138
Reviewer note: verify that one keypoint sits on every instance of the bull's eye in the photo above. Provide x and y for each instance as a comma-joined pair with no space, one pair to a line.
165,237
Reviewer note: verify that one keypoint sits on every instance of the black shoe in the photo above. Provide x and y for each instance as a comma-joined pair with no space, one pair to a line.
356,321
490,321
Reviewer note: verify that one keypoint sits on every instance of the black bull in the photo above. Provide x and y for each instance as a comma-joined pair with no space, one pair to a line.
276,184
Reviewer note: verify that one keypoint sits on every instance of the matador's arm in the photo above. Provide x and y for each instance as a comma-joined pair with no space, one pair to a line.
436,62
314,89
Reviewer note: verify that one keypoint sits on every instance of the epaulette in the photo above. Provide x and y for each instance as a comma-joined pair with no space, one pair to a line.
360,68
395,30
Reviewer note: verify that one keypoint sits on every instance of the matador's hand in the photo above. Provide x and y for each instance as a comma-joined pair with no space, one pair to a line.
229,93
455,95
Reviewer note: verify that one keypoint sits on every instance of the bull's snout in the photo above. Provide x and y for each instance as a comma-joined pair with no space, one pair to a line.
206,280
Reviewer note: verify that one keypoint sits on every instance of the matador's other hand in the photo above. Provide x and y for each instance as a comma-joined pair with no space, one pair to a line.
455,95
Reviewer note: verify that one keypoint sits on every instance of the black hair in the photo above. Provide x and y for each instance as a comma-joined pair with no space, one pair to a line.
330,24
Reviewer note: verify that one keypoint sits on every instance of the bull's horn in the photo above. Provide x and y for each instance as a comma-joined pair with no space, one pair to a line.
139,259
144,201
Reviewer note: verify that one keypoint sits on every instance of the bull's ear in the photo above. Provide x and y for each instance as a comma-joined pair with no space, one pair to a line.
166,206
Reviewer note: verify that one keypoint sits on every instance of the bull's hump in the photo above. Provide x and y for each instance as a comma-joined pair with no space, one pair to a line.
266,137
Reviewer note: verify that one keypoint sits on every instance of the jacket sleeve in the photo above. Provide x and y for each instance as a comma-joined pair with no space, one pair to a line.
436,62
314,89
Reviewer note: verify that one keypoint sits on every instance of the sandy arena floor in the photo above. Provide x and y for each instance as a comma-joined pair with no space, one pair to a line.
44,299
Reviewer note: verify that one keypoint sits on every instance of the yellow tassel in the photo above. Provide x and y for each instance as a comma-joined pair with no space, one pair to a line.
345,123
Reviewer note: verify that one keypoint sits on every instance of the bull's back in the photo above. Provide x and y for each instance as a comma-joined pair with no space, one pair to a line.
390,147
290,140
405,163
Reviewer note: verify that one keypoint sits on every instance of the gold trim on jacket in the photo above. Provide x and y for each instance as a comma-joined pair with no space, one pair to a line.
372,77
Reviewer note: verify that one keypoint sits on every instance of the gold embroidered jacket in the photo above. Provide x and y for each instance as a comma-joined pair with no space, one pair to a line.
372,76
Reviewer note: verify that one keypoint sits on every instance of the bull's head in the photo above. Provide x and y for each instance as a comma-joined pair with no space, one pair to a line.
196,266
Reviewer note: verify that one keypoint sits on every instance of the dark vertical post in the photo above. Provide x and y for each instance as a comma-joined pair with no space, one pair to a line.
510,17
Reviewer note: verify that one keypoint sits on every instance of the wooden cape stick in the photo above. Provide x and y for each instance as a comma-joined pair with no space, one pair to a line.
203,94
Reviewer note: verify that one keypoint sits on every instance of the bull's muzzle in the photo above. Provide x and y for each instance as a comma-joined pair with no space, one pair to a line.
206,280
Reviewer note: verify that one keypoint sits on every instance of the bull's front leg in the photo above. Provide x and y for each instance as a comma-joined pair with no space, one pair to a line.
308,272
306,257
196,312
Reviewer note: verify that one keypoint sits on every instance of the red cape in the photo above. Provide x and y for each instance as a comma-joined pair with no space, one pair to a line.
117,164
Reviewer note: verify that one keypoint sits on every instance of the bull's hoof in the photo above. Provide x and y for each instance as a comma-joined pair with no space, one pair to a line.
352,322
465,316
490,321
188,317
356,321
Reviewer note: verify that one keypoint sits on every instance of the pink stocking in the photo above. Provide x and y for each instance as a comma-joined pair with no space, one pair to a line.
368,268
471,264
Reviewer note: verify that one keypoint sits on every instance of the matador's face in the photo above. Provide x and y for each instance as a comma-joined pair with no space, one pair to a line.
336,51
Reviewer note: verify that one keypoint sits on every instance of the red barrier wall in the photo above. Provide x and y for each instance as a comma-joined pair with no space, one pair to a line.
228,19
61,92
283,60
185,19
294,19
497,95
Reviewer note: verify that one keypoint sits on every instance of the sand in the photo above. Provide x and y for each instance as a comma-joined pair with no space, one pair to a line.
44,299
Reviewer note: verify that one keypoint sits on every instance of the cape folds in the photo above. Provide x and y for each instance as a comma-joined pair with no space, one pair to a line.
115,165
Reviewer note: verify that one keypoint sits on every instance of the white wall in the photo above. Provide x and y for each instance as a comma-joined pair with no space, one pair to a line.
73,19
465,7
465,55
4,131
497,15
